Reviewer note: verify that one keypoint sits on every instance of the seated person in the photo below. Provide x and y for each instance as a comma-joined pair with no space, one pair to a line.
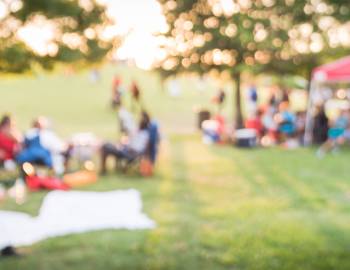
10,139
214,130
270,127
286,121
336,134
255,123
43,146
321,125
136,145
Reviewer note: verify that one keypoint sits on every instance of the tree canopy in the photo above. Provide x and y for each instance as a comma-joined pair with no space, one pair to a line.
282,36
73,33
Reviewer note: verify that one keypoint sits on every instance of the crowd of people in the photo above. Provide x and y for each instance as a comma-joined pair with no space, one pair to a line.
275,123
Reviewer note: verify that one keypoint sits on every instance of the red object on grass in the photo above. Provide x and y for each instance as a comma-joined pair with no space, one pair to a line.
35,183
336,71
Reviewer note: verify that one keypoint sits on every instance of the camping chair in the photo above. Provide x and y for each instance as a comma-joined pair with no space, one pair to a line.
150,152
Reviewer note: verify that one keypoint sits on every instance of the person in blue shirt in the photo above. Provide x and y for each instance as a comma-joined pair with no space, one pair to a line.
143,143
286,121
34,151
335,134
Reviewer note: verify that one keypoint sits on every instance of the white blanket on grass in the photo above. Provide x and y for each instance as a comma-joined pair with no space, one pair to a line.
70,212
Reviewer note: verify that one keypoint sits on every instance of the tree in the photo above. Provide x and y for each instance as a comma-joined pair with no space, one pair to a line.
74,30
283,36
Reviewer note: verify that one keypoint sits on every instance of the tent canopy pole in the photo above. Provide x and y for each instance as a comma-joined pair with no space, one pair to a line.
309,118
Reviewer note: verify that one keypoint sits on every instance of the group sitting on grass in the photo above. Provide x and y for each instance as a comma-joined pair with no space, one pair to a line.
277,124
41,147
270,124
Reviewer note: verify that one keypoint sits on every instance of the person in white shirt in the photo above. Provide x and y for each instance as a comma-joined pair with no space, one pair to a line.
136,145
127,122
44,146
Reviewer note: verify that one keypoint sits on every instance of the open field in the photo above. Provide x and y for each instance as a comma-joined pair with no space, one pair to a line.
217,207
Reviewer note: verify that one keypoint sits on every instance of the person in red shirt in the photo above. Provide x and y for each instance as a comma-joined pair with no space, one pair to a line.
255,123
135,91
10,139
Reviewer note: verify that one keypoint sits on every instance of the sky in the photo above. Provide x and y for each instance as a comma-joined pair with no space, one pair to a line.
140,20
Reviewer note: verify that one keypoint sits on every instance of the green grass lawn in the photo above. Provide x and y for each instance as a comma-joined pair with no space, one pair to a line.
216,207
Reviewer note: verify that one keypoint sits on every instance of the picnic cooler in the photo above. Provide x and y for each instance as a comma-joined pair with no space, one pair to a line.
245,138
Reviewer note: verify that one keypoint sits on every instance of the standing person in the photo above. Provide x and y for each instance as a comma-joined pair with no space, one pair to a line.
321,126
252,99
285,95
135,95
273,101
116,91
154,139
219,99
253,93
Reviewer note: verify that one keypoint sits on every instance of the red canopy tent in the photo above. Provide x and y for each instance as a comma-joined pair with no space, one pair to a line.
338,71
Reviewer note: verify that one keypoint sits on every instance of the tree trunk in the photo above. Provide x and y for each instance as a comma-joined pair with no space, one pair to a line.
309,77
238,123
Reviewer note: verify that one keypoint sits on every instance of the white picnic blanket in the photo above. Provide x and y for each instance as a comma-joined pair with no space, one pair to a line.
70,212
